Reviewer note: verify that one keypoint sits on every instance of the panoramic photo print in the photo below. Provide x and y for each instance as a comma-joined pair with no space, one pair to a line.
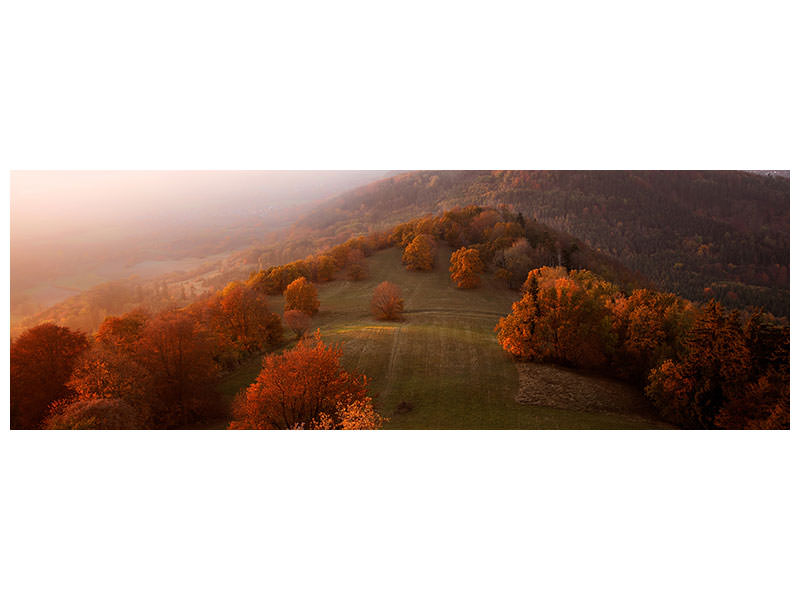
399,300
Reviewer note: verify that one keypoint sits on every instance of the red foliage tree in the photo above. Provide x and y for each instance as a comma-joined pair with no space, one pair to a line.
306,387
104,373
42,359
729,376
240,315
387,303
298,321
122,333
651,327
713,371
178,355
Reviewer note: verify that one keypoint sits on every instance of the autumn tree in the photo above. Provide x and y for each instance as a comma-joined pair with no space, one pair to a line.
419,253
465,265
298,321
42,359
103,373
387,303
324,267
562,318
302,295
516,331
275,280
729,376
693,390
651,327
178,356
122,333
241,316
306,387
110,390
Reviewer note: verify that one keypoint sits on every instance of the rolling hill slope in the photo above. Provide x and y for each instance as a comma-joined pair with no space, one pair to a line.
442,367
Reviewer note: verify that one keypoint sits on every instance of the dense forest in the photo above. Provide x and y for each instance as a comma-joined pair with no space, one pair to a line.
701,365
702,234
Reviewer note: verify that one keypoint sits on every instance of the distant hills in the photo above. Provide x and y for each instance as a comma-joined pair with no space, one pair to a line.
703,234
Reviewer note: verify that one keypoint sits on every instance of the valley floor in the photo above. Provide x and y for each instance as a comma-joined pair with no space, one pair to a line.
442,367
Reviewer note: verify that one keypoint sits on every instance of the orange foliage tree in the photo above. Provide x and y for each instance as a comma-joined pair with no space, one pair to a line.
241,316
324,267
298,321
102,373
465,264
122,333
307,388
562,317
178,356
302,295
387,303
651,327
42,359
419,253
726,377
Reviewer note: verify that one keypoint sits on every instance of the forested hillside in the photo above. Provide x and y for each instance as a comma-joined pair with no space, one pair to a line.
699,366
170,367
703,234
296,247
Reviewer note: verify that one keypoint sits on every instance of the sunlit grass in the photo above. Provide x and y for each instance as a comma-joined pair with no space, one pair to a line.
441,367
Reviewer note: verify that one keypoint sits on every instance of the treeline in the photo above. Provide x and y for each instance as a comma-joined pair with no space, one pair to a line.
160,369
157,367
702,234
140,370
701,367
87,310
504,243
347,258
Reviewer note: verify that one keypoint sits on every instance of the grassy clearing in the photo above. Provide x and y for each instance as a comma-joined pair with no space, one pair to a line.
442,367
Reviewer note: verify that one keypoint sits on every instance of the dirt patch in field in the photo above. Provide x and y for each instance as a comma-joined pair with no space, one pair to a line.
558,387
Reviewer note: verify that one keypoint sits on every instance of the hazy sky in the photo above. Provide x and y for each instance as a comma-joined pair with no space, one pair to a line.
50,203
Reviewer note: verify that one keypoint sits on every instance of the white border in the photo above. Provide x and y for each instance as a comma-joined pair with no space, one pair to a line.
363,85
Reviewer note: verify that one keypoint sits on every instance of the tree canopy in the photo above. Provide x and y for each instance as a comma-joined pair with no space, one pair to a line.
306,388
302,295
465,265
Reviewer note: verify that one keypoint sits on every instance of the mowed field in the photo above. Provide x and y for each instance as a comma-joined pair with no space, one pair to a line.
442,368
